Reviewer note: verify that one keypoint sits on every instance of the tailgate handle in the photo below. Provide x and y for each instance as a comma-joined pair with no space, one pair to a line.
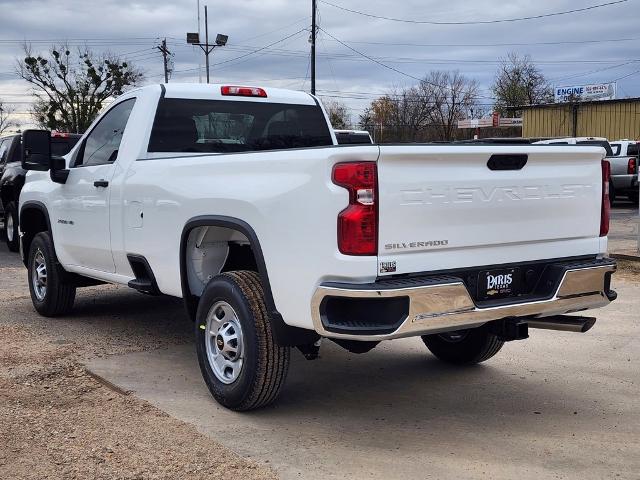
507,162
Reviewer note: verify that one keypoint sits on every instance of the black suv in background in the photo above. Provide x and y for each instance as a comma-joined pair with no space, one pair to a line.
12,178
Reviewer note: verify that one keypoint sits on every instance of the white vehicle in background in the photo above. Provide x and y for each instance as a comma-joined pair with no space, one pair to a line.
624,165
239,201
353,137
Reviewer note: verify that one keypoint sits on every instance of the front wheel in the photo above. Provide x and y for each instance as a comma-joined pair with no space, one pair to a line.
11,226
464,347
240,360
51,293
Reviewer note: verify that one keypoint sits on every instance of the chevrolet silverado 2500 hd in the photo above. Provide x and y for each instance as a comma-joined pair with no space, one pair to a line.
239,201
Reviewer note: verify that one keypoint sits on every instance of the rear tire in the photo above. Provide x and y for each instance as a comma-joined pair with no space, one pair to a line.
464,347
612,194
240,360
11,227
51,292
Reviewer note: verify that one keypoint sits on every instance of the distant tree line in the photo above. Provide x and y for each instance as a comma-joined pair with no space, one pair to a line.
430,110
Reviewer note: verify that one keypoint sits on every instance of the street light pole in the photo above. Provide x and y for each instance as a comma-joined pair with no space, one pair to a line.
194,39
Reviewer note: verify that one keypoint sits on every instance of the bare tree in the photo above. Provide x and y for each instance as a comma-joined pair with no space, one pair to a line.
411,113
6,120
382,113
71,89
339,114
451,97
518,83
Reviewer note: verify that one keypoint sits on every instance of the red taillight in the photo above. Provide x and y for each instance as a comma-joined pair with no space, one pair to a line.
606,205
243,92
631,166
358,223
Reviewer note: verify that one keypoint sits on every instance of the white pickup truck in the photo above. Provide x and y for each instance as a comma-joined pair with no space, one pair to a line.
240,201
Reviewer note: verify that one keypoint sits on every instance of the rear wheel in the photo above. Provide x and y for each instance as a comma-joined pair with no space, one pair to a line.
240,360
51,293
11,226
464,347
612,194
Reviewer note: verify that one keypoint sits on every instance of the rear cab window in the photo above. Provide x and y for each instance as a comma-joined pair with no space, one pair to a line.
616,148
62,145
219,126
353,138
633,150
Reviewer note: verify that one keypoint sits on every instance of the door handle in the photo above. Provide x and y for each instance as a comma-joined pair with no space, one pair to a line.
101,184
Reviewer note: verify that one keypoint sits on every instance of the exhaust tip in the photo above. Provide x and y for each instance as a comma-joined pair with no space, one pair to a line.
564,323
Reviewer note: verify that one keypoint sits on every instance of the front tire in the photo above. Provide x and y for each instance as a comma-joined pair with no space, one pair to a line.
464,347
240,360
51,293
11,227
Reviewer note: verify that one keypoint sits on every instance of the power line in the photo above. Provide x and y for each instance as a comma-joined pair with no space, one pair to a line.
276,30
626,76
584,74
389,67
523,44
475,22
346,56
261,48
370,58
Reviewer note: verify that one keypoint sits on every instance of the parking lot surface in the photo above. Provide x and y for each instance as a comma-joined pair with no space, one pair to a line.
623,235
559,405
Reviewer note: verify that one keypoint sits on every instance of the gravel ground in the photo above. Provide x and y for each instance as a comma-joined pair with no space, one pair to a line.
57,422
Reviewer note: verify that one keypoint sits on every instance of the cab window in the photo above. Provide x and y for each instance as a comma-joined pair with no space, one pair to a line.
102,144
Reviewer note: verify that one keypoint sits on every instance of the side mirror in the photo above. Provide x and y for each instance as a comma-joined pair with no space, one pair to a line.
36,150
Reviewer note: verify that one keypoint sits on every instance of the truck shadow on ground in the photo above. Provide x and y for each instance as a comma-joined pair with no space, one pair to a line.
398,386
403,384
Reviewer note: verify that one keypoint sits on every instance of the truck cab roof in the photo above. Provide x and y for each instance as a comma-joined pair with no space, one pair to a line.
232,92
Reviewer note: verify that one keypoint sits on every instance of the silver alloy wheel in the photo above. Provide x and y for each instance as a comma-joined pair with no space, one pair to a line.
224,342
9,227
39,275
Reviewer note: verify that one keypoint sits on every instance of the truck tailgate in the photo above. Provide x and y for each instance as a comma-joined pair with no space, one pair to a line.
442,207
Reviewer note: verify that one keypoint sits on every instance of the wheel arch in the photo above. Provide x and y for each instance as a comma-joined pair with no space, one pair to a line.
285,334
33,219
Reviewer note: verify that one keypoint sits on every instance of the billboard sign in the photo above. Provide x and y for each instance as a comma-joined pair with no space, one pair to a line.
585,93
493,121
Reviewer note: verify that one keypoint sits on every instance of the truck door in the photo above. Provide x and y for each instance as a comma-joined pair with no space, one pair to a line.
81,206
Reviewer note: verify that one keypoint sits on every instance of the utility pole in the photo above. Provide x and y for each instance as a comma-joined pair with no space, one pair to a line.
206,40
314,28
165,57
199,62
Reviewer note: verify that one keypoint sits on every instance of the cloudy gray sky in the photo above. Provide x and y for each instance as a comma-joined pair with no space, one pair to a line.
593,46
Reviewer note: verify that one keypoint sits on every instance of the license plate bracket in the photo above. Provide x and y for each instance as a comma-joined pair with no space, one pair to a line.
499,283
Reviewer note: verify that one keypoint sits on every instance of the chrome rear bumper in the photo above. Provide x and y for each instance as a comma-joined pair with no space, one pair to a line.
444,303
